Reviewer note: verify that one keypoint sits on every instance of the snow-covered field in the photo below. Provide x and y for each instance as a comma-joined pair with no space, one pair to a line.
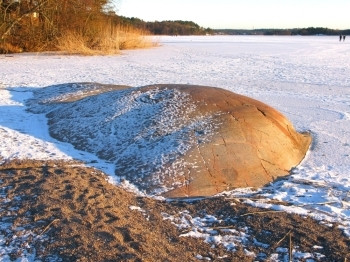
306,78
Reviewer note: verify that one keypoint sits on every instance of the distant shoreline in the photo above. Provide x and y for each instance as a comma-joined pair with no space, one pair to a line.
294,31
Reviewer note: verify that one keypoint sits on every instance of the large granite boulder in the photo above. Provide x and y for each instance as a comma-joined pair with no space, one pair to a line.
252,145
175,140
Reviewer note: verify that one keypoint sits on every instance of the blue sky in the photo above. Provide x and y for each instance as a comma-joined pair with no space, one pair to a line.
243,14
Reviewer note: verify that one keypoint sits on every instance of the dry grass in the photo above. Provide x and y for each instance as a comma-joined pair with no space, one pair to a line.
74,43
129,38
103,40
8,48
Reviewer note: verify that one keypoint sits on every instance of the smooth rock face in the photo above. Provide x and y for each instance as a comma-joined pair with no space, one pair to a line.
253,145
176,140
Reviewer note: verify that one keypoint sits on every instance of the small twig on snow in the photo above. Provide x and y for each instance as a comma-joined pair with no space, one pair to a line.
279,242
48,226
290,247
261,212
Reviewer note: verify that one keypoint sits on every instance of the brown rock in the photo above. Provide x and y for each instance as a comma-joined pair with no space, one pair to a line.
253,145
175,140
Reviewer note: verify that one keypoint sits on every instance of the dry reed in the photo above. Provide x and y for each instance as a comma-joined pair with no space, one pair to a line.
103,40
9,48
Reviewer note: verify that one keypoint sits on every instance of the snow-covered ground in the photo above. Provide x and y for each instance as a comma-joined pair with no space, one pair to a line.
306,78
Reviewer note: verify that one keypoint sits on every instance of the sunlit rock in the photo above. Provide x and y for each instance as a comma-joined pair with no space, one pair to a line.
175,140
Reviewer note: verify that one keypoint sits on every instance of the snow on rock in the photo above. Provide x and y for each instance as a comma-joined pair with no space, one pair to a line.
141,132
179,140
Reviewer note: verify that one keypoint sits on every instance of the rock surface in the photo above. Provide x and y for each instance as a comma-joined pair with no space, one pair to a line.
253,145
175,140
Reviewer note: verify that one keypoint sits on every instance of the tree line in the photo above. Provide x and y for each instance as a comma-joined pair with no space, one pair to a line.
77,25
177,27
295,31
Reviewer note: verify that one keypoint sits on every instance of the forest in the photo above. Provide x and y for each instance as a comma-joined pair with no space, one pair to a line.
190,28
176,27
295,31
78,26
